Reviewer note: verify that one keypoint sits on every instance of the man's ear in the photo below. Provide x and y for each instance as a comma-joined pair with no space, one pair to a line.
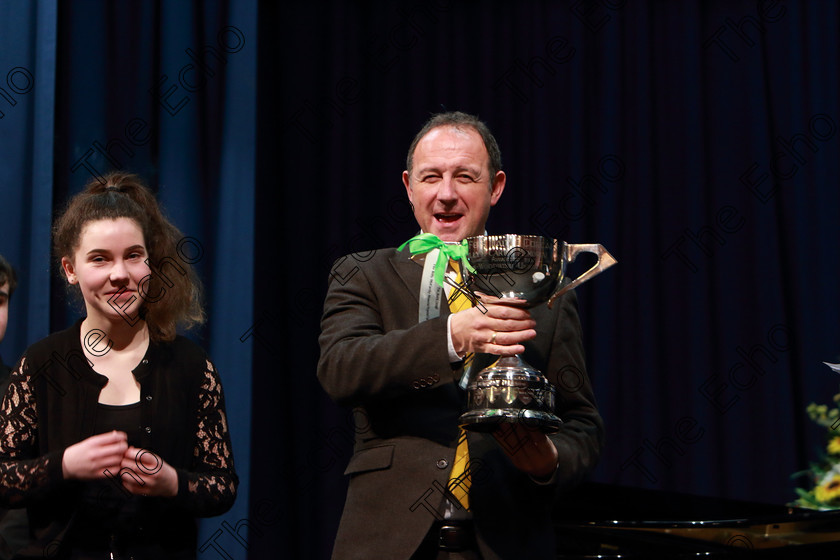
497,188
407,182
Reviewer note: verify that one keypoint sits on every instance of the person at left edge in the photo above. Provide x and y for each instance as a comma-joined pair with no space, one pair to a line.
8,283
113,433
13,524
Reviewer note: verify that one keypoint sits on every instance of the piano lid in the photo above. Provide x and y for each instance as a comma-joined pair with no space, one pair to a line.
607,521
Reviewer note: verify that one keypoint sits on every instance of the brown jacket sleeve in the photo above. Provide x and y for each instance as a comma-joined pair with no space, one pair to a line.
371,343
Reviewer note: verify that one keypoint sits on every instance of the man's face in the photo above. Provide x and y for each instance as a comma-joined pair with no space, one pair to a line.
4,309
450,186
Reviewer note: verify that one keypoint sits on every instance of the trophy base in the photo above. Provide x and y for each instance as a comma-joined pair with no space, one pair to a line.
488,420
510,391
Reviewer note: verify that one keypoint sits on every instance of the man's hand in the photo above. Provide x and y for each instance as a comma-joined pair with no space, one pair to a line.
498,328
530,450
155,477
91,457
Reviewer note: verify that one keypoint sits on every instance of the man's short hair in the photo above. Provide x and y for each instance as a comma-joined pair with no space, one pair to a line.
7,274
460,120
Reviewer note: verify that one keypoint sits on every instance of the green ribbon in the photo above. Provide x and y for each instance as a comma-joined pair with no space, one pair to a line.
425,242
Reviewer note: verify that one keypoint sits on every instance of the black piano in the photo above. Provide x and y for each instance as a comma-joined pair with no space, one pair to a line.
607,521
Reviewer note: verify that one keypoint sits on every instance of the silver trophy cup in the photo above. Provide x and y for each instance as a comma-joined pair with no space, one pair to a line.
526,270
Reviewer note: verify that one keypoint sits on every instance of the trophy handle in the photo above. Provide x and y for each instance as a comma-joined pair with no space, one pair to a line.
605,260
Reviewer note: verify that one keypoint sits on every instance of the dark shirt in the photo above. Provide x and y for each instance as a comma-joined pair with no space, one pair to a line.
107,507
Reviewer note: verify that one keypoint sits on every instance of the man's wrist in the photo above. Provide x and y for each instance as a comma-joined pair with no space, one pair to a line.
454,357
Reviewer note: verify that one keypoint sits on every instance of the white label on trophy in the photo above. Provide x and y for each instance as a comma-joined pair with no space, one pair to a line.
430,292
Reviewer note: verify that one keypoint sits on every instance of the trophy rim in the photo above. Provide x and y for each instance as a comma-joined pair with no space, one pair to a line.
510,236
539,247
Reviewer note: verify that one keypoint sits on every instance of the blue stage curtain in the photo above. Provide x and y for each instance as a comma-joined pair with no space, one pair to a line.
166,90
27,97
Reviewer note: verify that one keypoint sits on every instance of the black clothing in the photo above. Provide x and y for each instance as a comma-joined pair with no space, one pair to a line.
5,371
52,403
13,523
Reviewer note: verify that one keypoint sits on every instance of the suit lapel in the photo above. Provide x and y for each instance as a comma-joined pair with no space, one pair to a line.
409,271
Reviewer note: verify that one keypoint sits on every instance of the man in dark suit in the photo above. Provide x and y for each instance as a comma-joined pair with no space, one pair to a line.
401,376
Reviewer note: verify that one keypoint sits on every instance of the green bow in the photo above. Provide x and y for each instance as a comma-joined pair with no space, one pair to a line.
425,242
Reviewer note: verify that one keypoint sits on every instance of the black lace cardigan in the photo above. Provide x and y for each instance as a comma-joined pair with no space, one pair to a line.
51,403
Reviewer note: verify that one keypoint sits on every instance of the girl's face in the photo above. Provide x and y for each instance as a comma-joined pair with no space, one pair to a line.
109,265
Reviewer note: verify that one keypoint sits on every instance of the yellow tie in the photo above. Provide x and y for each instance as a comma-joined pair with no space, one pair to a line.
459,478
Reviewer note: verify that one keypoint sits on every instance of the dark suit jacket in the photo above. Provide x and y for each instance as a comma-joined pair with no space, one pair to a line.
396,373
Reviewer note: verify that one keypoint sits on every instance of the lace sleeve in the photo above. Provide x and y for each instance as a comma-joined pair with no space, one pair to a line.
23,474
209,487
